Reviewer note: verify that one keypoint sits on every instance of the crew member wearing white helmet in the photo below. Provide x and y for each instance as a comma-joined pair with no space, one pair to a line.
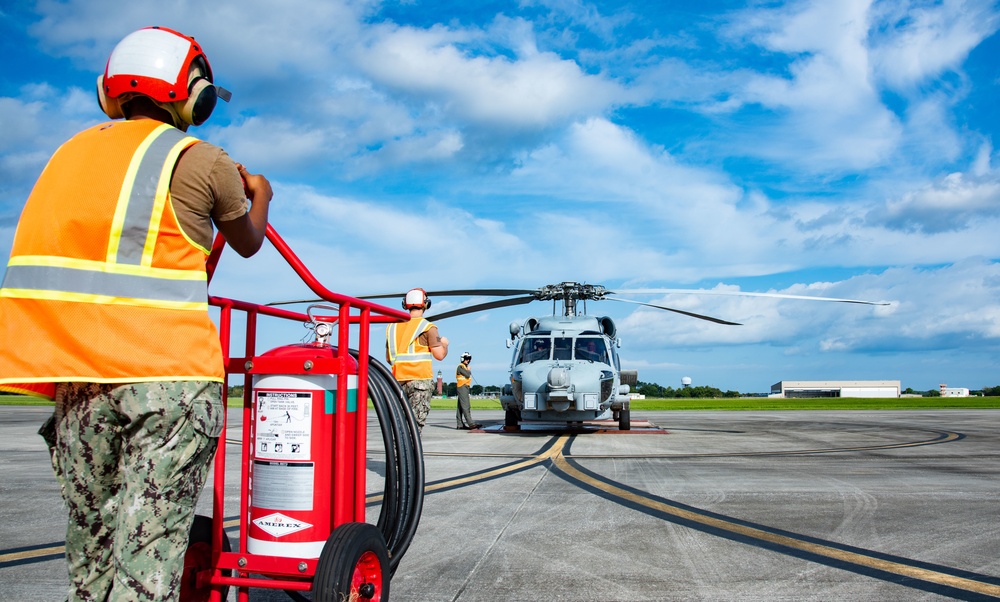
104,306
410,348
463,380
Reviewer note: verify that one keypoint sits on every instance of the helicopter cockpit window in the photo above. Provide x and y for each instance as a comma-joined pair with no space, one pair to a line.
591,349
563,349
534,350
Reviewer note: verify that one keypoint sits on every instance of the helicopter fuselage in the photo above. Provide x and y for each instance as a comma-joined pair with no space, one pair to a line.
565,369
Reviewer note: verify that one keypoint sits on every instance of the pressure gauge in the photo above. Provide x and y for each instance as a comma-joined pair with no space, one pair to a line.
323,330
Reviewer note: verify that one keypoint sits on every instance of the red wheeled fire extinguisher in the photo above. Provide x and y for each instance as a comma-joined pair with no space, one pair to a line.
291,491
303,502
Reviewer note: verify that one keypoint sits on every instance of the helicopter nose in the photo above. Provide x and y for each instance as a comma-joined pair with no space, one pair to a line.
560,392
558,378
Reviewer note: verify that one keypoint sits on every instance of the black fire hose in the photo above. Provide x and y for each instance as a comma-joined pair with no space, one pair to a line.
403,493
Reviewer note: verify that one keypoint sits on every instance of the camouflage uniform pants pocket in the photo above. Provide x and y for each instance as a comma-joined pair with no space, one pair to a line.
419,393
132,460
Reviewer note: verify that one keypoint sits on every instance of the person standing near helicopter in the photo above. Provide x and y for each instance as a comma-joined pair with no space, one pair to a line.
410,348
104,306
463,380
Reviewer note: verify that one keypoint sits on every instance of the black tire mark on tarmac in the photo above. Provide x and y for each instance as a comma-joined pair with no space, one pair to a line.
557,456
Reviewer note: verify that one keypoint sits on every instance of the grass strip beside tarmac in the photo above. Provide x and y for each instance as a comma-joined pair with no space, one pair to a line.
729,404
778,403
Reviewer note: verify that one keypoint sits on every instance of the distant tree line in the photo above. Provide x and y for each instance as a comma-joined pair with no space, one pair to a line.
657,391
451,390
985,392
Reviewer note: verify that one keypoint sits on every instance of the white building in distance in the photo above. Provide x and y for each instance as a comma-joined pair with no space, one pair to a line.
835,388
947,391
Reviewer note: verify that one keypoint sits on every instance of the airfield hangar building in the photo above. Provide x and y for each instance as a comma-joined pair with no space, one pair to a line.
835,388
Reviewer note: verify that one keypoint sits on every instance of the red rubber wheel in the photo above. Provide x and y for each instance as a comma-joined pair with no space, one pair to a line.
354,565
197,558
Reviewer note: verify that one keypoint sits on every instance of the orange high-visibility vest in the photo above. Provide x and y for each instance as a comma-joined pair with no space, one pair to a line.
460,379
102,284
410,359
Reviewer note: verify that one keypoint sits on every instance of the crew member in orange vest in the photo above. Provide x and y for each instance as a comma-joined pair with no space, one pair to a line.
463,384
104,305
410,348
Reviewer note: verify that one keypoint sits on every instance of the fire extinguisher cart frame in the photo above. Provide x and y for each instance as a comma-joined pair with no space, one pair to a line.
354,558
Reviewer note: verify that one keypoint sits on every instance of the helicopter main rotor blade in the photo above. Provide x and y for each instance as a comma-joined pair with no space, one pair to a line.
471,292
678,311
482,307
485,292
687,291
293,301
468,292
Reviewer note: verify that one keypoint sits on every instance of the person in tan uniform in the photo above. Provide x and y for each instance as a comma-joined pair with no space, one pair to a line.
104,305
410,348
463,385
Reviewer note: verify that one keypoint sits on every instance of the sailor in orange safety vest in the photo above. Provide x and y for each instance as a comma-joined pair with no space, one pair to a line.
463,382
104,306
410,348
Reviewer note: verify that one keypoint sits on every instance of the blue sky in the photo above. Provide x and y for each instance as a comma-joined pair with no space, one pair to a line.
840,149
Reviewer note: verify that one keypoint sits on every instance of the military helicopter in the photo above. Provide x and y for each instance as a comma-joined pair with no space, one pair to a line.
565,367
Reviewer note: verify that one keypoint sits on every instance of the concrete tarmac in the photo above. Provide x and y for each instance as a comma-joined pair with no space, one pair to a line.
866,506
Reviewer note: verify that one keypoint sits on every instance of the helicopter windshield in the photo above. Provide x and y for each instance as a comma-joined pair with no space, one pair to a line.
535,349
591,349
563,349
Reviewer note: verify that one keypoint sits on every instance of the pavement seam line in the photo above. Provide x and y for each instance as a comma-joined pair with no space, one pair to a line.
545,456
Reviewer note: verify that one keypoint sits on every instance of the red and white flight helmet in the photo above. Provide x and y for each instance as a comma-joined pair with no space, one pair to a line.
416,299
166,66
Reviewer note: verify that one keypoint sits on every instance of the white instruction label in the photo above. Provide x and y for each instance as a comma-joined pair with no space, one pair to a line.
284,425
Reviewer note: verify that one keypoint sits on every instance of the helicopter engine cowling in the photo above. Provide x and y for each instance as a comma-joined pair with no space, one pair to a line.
608,327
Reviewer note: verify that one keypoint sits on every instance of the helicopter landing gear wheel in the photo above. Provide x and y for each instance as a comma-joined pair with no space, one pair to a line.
511,419
354,565
197,558
625,420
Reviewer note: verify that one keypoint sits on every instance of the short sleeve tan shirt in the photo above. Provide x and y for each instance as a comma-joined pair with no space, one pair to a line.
206,188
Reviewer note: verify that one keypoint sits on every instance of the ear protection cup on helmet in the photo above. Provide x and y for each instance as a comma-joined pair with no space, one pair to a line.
112,107
201,100
427,304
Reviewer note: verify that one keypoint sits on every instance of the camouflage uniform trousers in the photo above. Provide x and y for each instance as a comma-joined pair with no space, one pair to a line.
131,461
463,413
419,393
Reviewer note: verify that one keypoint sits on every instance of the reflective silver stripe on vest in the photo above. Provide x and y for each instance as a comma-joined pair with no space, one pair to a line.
135,228
390,337
410,358
89,282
